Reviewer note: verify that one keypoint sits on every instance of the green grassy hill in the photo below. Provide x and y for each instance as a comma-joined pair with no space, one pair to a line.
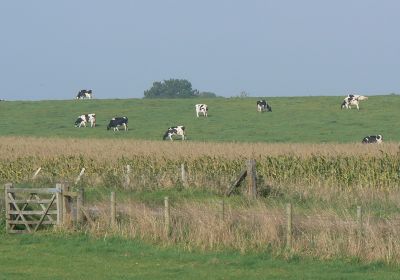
293,119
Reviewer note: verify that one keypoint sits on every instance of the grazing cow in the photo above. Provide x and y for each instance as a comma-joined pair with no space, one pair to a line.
373,139
352,100
263,106
175,130
201,108
87,118
83,94
117,122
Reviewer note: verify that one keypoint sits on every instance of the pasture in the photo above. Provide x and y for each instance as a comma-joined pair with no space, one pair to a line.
72,256
292,120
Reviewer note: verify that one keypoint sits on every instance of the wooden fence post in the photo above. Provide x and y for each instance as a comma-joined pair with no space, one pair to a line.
251,178
127,175
7,205
289,216
113,210
66,205
59,198
79,176
79,205
36,173
184,175
166,217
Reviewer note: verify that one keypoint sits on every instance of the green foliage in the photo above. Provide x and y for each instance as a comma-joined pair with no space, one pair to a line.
172,88
207,94
62,256
340,171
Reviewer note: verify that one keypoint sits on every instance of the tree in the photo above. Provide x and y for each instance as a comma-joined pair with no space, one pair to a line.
172,88
207,94
244,94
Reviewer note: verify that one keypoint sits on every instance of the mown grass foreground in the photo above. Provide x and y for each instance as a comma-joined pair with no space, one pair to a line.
292,120
47,256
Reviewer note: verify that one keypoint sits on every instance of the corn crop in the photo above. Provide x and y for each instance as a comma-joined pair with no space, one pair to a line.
157,164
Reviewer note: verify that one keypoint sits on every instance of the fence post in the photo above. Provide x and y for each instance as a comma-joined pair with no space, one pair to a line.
289,216
66,205
166,217
7,205
184,175
36,173
79,176
251,178
113,209
59,196
127,175
79,205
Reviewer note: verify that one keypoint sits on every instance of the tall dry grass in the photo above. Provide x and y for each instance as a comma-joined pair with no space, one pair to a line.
317,234
332,173
112,150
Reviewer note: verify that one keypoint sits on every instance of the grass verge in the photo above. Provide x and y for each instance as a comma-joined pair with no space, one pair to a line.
50,256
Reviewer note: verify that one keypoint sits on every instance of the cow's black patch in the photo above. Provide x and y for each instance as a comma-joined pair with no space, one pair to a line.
118,121
372,139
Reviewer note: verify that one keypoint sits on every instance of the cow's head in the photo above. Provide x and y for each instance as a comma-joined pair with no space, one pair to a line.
167,134
78,122
344,104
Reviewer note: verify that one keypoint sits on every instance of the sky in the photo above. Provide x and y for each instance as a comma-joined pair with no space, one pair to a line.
52,49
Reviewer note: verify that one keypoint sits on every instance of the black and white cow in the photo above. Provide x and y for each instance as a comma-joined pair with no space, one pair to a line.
352,100
83,94
87,118
118,122
373,139
263,106
201,108
175,130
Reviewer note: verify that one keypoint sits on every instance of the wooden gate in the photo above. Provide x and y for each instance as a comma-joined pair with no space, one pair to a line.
30,209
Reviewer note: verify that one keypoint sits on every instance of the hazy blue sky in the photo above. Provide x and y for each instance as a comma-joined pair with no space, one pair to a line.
51,49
